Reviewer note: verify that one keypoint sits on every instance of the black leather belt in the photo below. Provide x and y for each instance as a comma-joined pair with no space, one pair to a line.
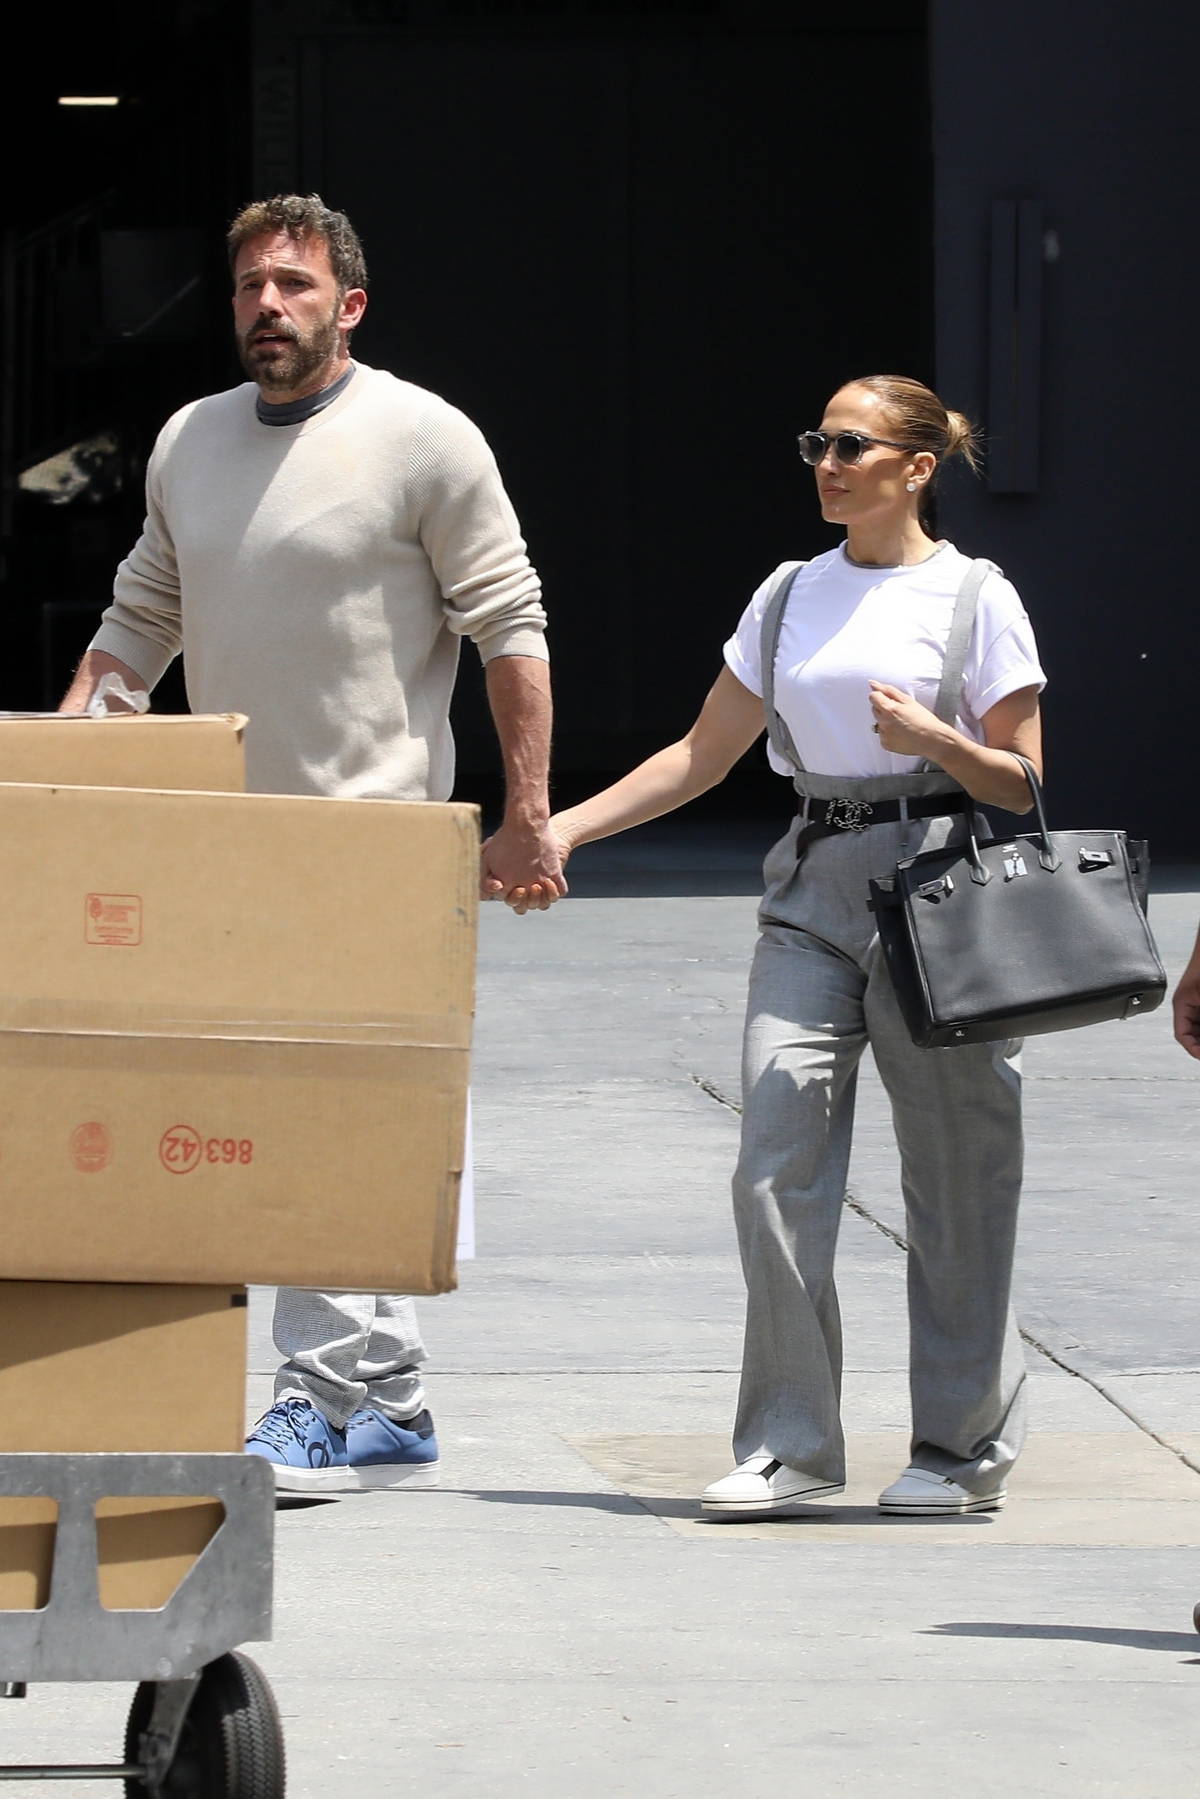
833,818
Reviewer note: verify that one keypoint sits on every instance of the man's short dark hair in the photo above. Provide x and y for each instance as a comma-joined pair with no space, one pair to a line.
303,216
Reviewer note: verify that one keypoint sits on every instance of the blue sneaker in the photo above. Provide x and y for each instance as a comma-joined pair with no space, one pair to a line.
384,1454
307,1452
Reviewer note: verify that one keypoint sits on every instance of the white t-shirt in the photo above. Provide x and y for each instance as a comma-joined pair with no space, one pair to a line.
846,625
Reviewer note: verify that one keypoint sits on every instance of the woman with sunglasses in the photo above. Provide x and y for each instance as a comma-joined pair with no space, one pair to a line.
893,706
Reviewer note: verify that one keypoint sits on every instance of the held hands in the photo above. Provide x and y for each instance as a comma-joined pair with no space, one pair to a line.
522,863
904,726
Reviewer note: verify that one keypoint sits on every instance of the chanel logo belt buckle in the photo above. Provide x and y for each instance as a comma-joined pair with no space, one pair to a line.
849,815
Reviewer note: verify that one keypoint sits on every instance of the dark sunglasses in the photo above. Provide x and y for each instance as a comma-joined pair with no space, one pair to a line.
847,446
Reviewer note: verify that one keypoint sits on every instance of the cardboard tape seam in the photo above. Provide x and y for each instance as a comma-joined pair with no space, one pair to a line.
67,1018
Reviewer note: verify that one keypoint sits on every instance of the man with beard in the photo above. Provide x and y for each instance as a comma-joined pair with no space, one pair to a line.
317,543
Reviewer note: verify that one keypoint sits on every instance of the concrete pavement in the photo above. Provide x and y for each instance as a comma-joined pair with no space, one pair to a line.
556,1619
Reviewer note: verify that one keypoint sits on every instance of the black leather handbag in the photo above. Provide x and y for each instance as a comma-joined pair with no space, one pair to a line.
1019,935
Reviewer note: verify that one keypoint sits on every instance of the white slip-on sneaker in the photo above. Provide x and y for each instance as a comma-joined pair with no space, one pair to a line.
762,1484
921,1493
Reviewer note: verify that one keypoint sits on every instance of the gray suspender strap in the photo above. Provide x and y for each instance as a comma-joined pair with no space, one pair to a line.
958,641
772,624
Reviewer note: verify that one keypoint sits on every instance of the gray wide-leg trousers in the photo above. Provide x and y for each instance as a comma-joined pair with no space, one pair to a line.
819,993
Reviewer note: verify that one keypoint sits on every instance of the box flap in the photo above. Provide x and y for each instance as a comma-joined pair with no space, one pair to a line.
125,749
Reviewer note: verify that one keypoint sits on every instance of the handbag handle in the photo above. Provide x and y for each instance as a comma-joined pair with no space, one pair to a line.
1047,856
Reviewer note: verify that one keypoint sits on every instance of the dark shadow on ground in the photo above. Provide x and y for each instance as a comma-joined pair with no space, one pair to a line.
680,857
595,1502
676,857
1174,877
665,883
1172,1641
852,1516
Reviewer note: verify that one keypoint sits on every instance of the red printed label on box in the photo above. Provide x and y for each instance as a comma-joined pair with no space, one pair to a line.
91,1147
114,919
182,1148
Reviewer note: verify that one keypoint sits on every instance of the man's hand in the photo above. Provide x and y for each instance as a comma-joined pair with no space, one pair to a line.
905,727
91,671
1186,1004
522,863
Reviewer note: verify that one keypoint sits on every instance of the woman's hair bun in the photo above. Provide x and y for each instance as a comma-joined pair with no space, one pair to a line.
962,439
920,419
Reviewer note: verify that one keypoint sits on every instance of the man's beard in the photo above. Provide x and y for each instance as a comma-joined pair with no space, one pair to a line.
291,365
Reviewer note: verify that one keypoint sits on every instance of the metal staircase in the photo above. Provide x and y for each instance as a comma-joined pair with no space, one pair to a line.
49,343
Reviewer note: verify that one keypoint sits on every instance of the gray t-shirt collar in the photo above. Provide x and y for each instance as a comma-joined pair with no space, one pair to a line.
294,412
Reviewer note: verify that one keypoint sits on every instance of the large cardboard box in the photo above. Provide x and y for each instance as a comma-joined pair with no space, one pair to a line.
125,750
234,1036
87,1368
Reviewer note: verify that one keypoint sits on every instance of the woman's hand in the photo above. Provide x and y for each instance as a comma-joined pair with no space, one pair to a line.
905,727
987,770
535,898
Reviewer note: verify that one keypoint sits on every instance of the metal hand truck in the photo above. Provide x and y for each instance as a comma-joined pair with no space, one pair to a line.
203,1723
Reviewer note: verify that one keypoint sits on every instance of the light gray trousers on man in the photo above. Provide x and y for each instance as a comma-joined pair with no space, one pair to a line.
819,993
346,1350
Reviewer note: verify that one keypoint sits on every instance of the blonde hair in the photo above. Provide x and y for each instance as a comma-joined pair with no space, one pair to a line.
922,420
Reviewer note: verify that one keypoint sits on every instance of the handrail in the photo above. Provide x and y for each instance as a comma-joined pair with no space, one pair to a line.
65,221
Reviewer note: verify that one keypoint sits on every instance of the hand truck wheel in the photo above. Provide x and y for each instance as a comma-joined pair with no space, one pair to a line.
231,1744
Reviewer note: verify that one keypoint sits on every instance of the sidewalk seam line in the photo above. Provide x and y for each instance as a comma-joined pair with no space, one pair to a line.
893,1236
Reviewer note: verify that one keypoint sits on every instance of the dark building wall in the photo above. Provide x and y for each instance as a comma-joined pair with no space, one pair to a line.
1090,112
640,248
114,299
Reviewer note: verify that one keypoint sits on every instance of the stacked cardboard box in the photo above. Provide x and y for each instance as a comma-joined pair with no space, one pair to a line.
90,1366
233,1048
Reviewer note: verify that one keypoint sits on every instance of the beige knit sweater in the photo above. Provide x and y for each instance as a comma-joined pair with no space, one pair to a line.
319,578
